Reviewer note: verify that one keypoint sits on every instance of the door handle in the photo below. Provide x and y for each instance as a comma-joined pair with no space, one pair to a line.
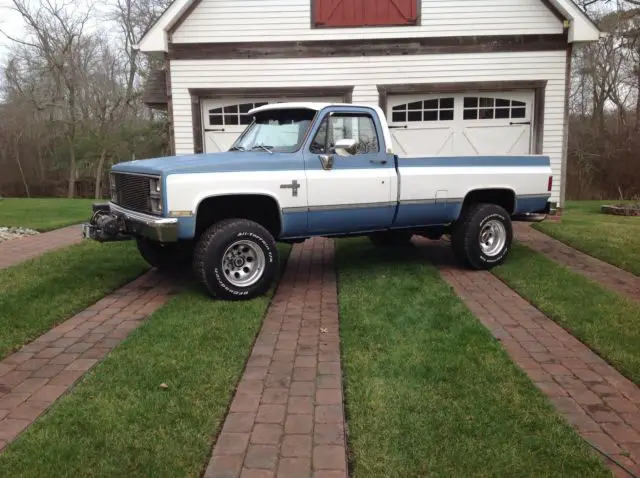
327,161
523,122
378,161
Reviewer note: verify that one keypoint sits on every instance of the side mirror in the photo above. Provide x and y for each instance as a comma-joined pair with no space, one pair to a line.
346,147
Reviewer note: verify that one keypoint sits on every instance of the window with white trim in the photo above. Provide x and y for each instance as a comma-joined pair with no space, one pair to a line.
436,109
232,115
483,108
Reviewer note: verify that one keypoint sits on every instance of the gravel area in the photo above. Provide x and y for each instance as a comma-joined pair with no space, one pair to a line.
8,233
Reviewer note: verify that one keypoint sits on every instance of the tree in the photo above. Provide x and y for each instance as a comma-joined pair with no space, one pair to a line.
134,18
105,98
72,96
605,107
61,48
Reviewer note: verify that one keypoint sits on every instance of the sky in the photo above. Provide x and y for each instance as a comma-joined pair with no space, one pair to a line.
11,23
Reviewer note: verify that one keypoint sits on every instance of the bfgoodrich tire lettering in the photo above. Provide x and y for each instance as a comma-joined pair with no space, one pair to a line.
482,237
236,239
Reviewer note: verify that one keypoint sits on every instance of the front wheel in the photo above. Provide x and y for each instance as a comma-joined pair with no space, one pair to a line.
236,259
482,237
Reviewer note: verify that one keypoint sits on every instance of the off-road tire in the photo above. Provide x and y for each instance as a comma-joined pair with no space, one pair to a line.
169,256
465,236
209,254
391,238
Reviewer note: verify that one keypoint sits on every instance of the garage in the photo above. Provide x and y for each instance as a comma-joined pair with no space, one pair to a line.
462,124
224,119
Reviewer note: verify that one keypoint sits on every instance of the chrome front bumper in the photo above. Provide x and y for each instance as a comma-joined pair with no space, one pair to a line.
111,222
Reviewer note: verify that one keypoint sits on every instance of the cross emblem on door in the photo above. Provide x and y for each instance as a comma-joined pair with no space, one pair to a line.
294,186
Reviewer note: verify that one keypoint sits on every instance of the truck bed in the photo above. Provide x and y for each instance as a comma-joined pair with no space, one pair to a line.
435,187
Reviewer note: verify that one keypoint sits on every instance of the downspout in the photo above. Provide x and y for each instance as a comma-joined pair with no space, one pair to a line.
565,134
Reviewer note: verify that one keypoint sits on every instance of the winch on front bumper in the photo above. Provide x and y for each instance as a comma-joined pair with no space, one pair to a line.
111,222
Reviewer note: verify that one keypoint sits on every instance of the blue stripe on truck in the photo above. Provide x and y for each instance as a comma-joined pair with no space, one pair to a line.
336,221
427,214
365,219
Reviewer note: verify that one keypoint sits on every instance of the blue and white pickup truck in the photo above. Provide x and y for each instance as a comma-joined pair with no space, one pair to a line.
308,169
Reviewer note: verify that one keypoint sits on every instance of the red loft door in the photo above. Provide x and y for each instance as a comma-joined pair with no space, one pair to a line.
364,13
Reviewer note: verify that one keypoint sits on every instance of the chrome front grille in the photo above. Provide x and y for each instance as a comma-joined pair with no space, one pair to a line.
132,191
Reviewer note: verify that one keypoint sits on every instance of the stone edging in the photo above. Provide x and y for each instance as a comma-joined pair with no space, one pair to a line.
620,211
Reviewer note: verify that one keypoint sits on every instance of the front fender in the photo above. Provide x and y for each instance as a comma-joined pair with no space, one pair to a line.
185,192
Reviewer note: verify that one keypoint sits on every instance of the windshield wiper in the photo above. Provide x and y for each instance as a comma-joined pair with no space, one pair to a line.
263,147
238,148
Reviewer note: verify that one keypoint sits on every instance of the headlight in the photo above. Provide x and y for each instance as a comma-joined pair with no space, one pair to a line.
154,186
155,193
112,188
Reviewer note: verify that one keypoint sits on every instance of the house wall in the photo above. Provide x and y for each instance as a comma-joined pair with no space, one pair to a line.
290,20
365,74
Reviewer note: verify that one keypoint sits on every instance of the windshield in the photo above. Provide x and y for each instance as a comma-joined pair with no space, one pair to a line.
276,131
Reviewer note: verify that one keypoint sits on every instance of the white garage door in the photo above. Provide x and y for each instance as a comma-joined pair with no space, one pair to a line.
224,120
461,124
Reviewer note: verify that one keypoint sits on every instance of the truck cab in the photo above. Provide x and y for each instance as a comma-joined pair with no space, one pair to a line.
309,169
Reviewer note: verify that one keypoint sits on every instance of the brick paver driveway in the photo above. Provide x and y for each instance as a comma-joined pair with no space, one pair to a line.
39,373
287,419
596,399
16,251
609,276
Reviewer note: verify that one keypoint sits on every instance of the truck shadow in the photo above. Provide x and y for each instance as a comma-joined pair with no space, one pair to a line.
438,253
360,254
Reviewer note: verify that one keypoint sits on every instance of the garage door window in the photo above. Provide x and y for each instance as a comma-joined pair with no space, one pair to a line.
437,109
483,108
232,114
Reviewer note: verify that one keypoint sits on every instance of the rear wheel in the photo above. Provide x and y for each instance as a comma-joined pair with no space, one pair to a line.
236,259
391,238
482,237
170,256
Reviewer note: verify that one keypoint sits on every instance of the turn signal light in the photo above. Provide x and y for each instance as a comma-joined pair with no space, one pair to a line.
550,185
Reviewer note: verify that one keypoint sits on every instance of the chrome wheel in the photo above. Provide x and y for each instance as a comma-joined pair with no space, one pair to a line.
243,263
493,238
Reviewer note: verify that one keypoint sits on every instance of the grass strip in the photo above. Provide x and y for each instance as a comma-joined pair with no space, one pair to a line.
44,214
607,322
429,392
40,293
118,422
612,239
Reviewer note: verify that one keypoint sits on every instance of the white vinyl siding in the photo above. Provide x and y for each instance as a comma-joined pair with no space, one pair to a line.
290,20
365,73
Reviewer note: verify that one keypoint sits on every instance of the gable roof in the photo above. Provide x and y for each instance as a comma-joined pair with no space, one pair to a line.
581,27
156,39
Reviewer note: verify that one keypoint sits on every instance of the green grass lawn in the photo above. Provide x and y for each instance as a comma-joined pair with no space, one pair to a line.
44,214
607,322
613,239
117,422
42,292
429,392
